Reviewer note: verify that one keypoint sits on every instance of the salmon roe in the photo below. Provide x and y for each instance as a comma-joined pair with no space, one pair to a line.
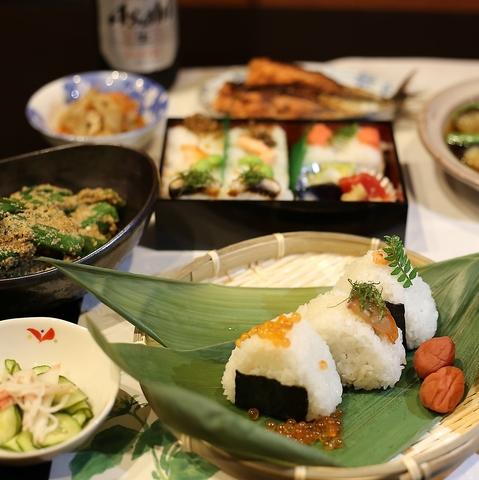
253,414
273,330
327,430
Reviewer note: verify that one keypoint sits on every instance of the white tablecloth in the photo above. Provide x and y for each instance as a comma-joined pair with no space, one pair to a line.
443,219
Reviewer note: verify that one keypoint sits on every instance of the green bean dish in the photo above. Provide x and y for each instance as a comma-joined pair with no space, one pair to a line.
49,220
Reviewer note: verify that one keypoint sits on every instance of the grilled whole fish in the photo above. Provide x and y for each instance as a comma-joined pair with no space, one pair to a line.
285,91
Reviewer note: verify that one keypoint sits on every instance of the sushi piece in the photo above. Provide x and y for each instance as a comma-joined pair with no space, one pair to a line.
359,146
284,369
413,307
257,163
361,333
202,179
193,159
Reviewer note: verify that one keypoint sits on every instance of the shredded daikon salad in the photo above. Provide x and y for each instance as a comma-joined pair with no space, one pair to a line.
35,394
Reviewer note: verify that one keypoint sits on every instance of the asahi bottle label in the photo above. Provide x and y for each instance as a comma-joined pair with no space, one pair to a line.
138,35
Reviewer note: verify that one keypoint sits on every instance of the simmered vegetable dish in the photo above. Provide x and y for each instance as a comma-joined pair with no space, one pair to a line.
462,134
53,221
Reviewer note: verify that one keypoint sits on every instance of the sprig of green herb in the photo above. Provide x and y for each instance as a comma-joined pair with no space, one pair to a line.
369,297
398,261
194,180
252,176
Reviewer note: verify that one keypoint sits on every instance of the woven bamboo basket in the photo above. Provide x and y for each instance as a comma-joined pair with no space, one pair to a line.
303,259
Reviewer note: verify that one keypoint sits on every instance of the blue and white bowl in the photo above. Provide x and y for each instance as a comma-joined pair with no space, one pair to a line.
45,105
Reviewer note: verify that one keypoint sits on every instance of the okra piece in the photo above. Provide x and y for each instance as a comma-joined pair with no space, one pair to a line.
7,205
91,244
8,259
44,194
89,196
53,239
6,254
102,214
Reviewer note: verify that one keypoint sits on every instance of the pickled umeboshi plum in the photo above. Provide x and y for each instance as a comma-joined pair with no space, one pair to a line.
434,354
442,391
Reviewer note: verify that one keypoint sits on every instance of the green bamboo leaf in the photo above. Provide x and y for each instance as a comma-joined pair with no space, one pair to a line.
184,315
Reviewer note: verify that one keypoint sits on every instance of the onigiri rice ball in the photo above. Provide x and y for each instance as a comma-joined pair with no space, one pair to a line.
290,360
363,359
420,313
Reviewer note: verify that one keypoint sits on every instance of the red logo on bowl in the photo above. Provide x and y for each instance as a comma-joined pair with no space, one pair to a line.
41,335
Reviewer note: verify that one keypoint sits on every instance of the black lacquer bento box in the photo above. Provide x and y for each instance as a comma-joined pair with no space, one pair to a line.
199,223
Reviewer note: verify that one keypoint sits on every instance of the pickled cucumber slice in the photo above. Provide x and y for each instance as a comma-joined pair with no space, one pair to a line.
67,428
10,423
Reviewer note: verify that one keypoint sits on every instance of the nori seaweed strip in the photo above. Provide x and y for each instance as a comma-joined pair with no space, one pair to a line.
270,397
397,311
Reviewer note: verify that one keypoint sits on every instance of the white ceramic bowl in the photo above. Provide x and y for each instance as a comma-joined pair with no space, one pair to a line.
432,125
45,104
82,361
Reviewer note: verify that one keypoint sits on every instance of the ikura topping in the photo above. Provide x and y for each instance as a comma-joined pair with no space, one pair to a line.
365,300
364,186
323,364
442,391
253,414
434,354
327,430
273,330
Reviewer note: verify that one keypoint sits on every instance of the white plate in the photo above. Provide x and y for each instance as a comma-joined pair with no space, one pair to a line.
432,125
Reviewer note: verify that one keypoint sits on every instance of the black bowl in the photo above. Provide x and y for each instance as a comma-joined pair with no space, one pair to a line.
132,174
